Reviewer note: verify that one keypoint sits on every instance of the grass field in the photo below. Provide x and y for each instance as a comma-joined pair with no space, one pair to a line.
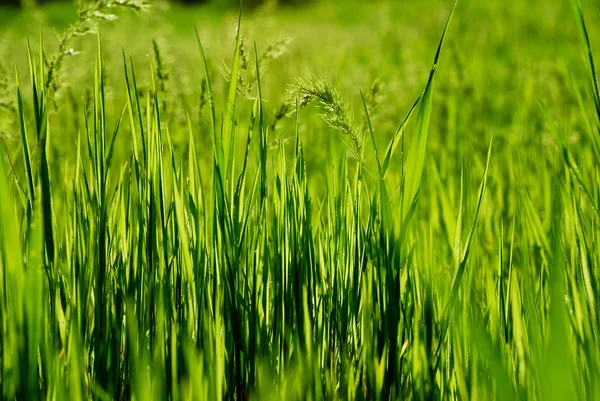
333,201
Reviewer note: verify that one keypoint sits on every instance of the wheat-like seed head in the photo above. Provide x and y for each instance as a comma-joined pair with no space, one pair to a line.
333,110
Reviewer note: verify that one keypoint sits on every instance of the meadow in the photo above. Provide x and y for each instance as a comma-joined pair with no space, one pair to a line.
337,200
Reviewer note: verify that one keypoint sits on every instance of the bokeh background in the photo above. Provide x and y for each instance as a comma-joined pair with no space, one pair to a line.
501,58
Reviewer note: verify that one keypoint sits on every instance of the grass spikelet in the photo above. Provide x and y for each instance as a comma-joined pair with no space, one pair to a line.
333,111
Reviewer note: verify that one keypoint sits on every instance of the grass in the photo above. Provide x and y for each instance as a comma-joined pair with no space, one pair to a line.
241,238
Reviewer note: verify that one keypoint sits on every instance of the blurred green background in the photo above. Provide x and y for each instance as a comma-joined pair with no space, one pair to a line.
502,57
225,3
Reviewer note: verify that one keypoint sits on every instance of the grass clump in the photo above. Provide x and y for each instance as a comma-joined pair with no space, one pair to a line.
217,272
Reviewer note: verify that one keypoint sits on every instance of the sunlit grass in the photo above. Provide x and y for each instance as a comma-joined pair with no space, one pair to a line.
416,272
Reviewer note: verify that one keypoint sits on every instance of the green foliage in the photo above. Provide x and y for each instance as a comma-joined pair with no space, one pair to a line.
427,263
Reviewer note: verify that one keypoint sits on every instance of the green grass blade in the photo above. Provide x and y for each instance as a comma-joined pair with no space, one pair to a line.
415,160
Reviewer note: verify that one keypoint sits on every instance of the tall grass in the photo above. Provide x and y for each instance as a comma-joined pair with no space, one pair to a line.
163,278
